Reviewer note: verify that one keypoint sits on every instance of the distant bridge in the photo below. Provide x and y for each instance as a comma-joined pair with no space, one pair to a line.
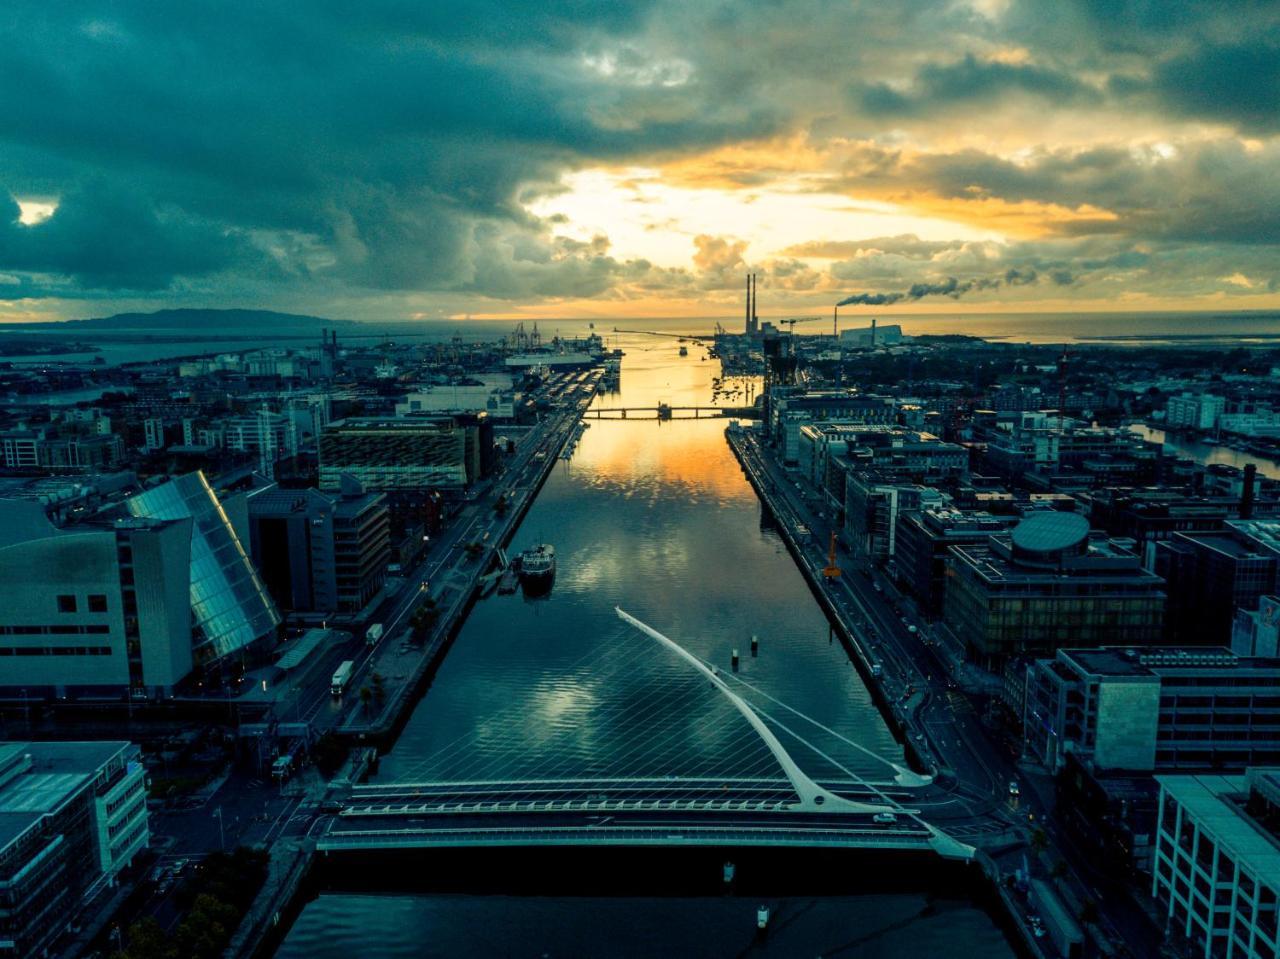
785,808
664,412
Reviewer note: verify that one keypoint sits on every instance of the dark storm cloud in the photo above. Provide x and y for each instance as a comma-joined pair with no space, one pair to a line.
386,145
392,146
973,82
112,239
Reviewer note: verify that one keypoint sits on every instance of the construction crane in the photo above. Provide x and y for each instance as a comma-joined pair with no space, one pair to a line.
832,570
800,319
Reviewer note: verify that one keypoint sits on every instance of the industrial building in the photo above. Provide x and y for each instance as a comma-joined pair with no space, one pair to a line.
1047,584
73,815
1135,709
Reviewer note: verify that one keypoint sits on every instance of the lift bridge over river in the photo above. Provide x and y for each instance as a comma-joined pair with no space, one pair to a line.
757,796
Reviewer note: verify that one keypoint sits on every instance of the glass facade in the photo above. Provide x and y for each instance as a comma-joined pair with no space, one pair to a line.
229,603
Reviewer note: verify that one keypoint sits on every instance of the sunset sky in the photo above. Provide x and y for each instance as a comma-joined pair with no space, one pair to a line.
391,159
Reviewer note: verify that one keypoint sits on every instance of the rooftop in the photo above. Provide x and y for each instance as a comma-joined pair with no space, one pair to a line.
55,772
1215,803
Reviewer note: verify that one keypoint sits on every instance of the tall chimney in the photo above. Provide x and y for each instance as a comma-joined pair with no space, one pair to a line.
747,327
1246,495
873,332
755,301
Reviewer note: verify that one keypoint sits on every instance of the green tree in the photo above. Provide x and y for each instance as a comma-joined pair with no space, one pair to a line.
379,688
366,696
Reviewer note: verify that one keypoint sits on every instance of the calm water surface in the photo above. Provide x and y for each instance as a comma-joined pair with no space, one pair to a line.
658,519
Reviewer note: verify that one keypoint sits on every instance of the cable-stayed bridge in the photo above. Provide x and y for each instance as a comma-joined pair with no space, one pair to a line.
732,779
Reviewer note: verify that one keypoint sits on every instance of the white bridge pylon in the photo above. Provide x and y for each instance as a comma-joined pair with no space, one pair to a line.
813,797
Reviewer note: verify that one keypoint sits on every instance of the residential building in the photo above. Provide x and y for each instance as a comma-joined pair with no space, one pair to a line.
1142,709
1192,412
872,503
1217,862
1050,583
72,817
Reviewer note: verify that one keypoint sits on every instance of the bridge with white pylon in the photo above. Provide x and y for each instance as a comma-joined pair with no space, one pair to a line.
773,803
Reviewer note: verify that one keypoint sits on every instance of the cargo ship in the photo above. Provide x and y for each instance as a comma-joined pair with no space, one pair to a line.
538,567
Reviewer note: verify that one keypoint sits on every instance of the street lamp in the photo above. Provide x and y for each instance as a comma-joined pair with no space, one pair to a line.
222,841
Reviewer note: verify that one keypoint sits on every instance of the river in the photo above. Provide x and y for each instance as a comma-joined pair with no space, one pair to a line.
655,518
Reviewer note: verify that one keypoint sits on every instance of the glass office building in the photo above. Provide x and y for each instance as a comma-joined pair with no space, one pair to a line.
229,603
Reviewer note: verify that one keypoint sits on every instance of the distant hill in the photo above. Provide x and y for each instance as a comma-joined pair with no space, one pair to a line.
210,321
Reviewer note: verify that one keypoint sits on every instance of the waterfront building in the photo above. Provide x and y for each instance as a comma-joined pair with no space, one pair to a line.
232,608
790,411
320,552
73,815
1194,412
923,540
1142,709
419,452
490,395
1217,861
1046,584
92,609
1212,574
872,503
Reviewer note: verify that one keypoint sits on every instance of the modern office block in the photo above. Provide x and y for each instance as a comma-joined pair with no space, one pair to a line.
1212,574
72,816
385,454
231,607
1217,861
1122,708
1050,583
319,552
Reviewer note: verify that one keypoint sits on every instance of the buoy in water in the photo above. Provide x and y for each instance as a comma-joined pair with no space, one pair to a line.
755,645
734,659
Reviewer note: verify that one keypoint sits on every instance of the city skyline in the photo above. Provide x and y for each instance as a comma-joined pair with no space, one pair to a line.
637,159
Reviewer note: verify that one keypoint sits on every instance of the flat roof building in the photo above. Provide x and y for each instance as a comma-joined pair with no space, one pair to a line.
72,816
1050,583
1217,861
1142,709
1212,574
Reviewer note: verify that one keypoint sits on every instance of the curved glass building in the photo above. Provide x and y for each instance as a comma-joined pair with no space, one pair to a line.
230,605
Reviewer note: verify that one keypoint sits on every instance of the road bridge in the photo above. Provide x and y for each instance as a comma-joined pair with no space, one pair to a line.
664,412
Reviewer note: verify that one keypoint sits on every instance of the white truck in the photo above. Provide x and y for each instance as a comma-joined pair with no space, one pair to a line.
373,634
341,677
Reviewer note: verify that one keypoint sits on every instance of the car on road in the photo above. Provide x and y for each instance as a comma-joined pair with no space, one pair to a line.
884,818
1014,791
